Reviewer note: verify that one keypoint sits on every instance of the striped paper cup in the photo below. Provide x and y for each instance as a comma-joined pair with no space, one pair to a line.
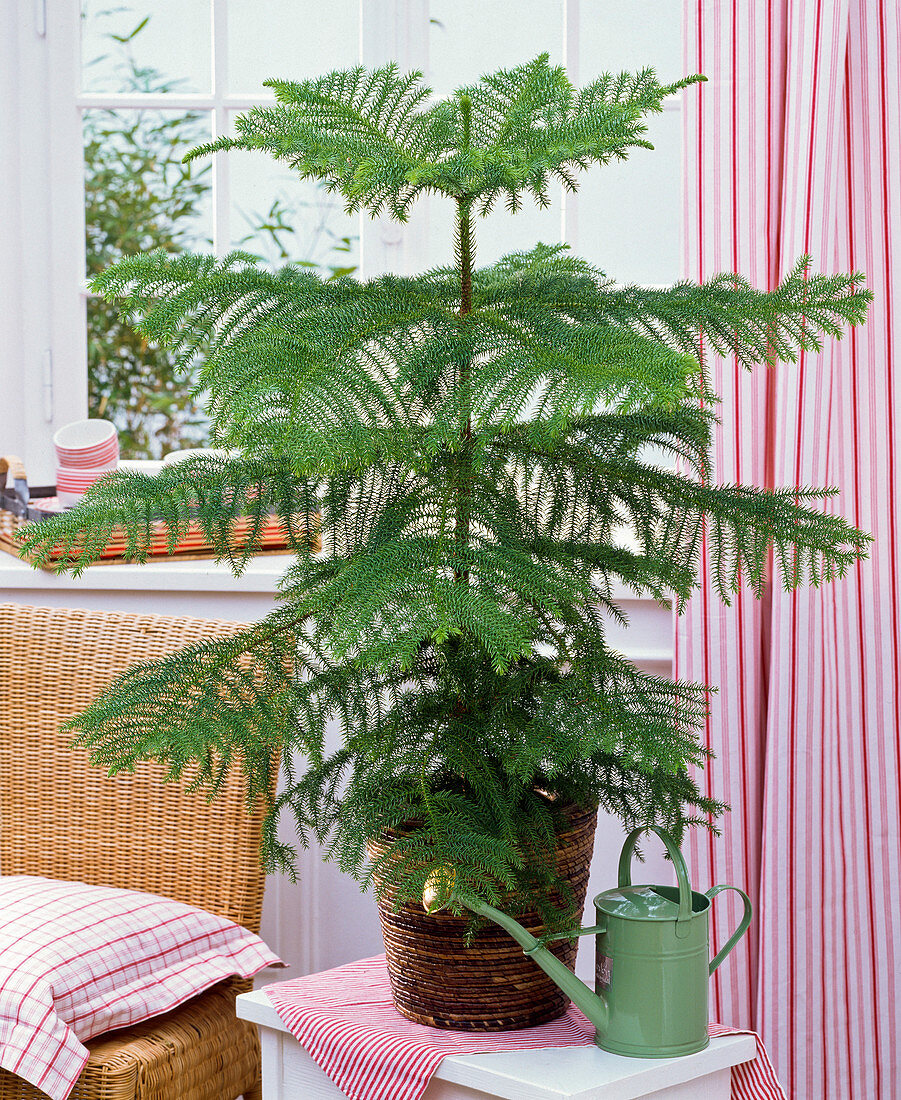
87,444
73,483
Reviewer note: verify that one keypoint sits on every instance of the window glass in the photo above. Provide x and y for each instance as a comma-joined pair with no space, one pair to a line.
126,45
140,196
283,219
641,243
631,35
289,39
469,37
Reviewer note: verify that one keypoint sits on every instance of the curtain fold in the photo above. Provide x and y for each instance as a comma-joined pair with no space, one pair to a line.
793,147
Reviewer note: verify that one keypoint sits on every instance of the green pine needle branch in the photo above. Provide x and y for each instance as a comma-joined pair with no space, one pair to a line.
473,444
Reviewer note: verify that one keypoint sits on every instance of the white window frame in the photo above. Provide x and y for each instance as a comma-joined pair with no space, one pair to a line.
43,352
42,321
43,344
218,103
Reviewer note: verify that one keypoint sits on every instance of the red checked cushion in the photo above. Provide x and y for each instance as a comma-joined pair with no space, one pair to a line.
77,961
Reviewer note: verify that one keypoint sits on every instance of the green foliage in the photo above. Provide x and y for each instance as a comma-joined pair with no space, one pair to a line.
475,441
369,135
138,197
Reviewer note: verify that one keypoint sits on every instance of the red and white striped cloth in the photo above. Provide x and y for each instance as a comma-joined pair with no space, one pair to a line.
77,961
794,146
346,1021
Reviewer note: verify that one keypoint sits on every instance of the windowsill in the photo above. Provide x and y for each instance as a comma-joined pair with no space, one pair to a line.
261,575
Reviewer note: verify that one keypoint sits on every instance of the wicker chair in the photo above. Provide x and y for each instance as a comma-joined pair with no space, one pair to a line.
61,818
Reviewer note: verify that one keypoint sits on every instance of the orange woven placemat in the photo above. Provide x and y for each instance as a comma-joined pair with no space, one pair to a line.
193,546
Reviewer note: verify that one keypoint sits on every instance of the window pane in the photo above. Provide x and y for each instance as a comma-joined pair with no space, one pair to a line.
469,37
146,46
140,196
631,35
283,219
289,39
641,243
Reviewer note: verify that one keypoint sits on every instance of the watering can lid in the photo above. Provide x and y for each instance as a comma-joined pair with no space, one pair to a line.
638,903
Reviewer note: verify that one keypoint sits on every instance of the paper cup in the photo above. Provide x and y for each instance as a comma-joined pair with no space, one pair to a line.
87,444
67,500
73,482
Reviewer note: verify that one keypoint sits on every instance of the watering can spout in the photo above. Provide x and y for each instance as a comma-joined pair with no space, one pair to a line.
593,1005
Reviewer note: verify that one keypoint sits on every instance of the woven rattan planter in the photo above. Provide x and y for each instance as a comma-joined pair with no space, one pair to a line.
490,985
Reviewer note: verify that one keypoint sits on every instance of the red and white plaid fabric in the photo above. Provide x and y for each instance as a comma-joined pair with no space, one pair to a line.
77,961
347,1023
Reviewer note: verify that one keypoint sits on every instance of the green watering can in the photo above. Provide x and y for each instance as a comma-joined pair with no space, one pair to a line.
651,964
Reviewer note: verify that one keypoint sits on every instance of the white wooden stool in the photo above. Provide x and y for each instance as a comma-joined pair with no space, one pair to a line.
561,1073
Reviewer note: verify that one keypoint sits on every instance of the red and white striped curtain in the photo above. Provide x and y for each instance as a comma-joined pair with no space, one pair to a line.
794,146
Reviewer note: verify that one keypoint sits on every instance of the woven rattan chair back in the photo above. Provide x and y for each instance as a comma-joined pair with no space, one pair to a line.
62,818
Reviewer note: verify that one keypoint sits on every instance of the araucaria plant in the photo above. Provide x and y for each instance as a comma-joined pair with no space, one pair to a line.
475,441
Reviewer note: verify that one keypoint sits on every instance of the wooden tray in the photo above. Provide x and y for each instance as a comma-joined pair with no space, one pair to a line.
20,505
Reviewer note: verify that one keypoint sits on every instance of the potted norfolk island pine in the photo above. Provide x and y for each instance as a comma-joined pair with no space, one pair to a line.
474,442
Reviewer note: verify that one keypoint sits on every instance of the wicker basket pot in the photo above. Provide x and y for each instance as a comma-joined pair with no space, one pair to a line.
489,985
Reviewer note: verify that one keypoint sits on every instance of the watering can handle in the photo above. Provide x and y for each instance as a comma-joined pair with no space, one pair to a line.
625,867
742,927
